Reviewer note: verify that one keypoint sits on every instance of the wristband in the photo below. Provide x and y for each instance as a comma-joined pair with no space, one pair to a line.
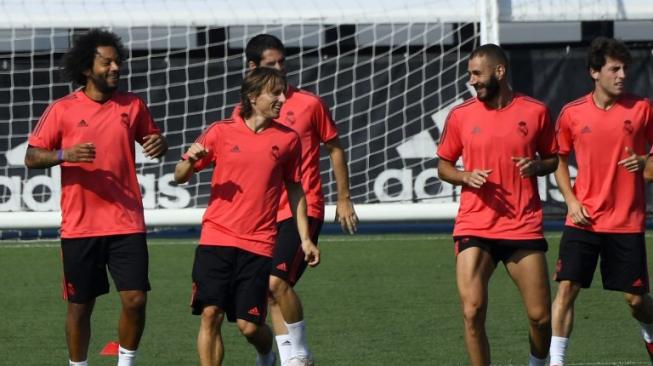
60,154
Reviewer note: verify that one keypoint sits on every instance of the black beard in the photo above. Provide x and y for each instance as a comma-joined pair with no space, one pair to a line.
492,89
102,85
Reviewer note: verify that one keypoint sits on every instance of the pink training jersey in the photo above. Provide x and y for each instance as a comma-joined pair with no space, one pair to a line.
507,206
103,197
247,182
613,197
307,114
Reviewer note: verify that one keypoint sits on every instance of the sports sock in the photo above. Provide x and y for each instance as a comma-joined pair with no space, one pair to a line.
297,335
647,332
80,363
558,350
283,344
534,361
126,357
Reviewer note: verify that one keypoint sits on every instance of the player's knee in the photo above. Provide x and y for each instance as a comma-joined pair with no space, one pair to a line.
79,312
567,292
540,318
473,314
134,302
278,286
212,316
247,329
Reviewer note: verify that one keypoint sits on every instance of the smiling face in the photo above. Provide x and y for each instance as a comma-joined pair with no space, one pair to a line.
269,102
484,77
105,73
611,78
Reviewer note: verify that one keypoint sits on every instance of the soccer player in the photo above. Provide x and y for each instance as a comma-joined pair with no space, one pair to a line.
254,157
608,130
91,134
505,140
308,115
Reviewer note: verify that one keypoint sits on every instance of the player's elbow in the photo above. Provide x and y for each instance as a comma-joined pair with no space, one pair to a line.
30,159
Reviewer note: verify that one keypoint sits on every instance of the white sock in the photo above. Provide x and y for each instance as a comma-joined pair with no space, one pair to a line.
534,361
297,335
647,332
283,344
80,363
126,357
558,350
265,360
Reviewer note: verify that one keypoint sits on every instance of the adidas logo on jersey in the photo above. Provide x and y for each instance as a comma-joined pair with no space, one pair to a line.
82,123
235,149
476,130
586,129
254,311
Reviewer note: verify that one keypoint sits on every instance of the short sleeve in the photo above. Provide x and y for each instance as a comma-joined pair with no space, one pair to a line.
323,123
451,145
563,134
144,123
208,140
546,140
47,133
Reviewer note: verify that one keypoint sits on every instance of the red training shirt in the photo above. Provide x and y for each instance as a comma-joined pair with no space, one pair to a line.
507,206
103,197
247,182
307,114
613,197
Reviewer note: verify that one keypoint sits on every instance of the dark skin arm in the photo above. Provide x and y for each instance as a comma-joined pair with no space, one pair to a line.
37,158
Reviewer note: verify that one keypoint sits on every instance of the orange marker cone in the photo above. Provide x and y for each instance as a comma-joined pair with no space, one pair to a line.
110,349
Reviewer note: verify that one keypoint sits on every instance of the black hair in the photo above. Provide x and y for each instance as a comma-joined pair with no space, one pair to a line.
81,55
493,52
259,44
601,48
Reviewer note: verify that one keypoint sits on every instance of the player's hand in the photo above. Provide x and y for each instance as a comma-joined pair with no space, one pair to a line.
346,215
633,163
578,213
80,153
196,152
527,167
154,146
311,253
476,178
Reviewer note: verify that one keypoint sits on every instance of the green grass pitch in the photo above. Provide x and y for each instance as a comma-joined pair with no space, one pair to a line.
375,300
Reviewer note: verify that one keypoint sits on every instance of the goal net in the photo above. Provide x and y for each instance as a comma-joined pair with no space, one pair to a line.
389,73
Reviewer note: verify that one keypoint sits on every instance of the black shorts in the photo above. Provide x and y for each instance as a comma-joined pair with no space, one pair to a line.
500,249
85,263
232,279
288,259
623,259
